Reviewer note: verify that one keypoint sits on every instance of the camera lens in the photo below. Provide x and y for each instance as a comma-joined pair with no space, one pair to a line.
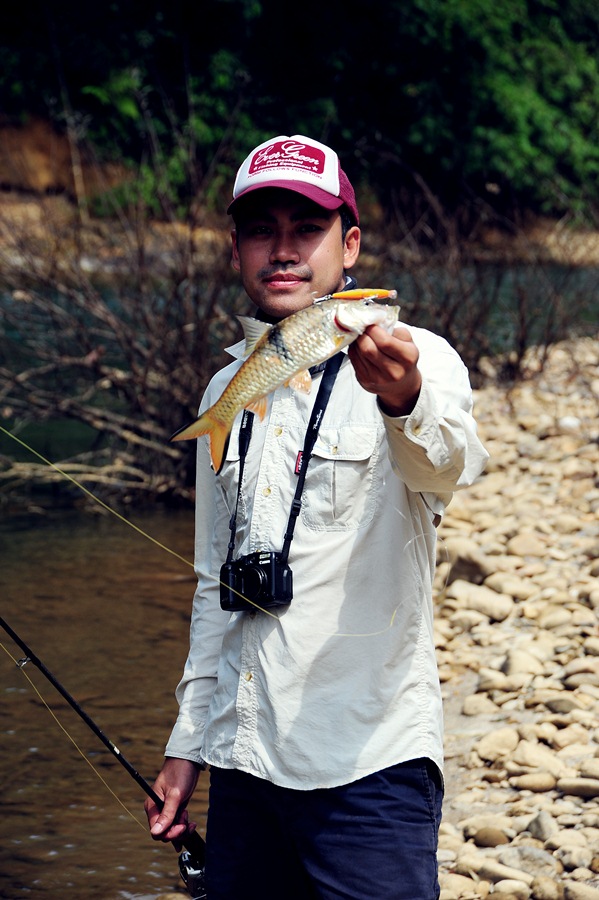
254,580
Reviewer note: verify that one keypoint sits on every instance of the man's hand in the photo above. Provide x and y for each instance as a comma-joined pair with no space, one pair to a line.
387,365
175,784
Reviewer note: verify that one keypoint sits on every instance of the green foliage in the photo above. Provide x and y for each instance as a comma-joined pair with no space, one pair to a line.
469,97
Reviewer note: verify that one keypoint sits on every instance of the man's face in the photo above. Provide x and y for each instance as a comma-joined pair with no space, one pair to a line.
288,250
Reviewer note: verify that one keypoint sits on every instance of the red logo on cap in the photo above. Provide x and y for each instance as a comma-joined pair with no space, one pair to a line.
288,155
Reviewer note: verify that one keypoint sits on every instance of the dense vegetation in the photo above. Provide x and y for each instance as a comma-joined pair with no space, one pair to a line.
474,101
449,115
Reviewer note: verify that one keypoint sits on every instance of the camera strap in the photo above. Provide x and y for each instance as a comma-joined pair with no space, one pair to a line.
329,375
245,433
320,404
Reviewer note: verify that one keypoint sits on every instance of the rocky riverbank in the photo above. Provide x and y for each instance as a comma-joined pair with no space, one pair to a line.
518,643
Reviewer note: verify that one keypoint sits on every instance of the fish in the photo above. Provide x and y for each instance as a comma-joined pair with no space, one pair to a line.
282,354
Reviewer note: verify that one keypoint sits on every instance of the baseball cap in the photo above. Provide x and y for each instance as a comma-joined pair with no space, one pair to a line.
299,164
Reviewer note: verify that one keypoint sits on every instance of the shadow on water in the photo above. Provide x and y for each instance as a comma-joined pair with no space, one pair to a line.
108,613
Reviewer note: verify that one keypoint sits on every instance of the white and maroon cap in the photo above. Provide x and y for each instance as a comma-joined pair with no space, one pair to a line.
297,164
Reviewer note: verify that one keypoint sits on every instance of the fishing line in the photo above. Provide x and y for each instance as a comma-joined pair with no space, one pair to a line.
191,861
20,664
109,509
118,515
158,543
94,497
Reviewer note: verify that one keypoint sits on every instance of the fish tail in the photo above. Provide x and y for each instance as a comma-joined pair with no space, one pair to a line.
218,433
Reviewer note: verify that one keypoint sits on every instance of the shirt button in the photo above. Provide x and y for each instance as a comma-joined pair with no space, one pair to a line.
266,492
334,450
248,676
278,431
416,429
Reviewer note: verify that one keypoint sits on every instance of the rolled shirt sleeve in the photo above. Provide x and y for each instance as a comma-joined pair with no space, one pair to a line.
436,450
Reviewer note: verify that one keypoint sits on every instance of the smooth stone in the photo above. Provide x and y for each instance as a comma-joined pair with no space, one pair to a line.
579,787
492,680
563,704
489,869
527,544
582,664
574,890
545,888
543,826
473,824
459,885
478,705
554,617
580,679
507,583
512,888
517,661
573,734
591,646
533,860
481,599
566,837
589,768
537,756
534,781
497,743
467,619
490,837
574,857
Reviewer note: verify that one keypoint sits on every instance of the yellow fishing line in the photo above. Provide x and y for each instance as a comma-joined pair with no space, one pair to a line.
109,509
73,741
94,497
158,543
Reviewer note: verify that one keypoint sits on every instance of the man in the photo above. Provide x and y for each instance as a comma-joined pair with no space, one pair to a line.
321,719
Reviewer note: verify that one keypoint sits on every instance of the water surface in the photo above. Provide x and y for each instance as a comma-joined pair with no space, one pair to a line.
108,613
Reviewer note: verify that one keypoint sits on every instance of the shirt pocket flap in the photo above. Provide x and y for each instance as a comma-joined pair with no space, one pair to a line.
349,442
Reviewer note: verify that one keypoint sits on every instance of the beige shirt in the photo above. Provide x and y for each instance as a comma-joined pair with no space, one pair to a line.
343,682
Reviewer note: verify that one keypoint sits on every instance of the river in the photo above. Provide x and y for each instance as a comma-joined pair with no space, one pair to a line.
107,612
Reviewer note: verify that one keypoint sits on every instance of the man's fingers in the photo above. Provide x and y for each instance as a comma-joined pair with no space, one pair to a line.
168,827
401,332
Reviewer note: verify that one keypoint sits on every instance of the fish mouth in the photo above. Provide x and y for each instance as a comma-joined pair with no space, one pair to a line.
339,324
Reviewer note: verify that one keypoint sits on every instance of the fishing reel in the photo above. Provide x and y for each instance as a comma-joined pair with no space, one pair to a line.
194,877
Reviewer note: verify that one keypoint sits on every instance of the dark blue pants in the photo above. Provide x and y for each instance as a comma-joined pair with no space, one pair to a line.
373,839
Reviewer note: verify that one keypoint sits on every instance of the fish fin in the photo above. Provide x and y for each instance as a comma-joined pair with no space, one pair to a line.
253,330
301,382
217,432
259,406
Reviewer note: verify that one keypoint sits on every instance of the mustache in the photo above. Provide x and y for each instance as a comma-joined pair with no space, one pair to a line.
303,272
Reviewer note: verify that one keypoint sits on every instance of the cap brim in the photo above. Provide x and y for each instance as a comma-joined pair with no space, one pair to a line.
316,194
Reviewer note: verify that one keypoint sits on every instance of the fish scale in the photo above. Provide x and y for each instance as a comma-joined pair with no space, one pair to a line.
283,354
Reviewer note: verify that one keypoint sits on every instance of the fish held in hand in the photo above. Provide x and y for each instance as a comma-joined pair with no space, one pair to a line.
282,354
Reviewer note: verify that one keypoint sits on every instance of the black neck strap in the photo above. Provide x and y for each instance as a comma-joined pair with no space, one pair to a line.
320,404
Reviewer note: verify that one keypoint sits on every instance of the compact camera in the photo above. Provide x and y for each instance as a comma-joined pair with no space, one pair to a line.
264,578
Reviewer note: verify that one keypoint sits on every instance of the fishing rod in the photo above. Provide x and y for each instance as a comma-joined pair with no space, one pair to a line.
191,861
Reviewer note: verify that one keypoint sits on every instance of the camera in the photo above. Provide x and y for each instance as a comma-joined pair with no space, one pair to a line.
264,578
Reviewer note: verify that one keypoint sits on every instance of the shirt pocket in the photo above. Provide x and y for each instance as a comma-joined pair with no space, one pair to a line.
341,492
